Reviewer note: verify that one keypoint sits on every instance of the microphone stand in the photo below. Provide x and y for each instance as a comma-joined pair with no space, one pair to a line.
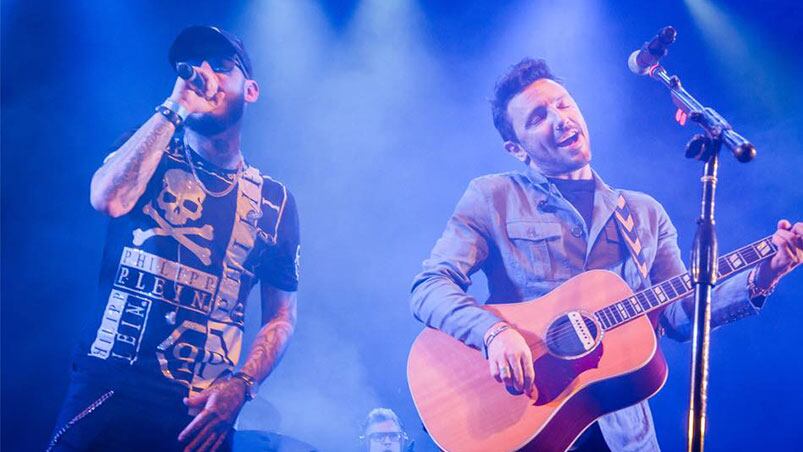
705,148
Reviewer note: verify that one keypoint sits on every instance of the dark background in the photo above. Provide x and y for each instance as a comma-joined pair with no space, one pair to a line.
375,114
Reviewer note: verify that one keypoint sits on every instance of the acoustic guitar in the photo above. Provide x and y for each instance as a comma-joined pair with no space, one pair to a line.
594,351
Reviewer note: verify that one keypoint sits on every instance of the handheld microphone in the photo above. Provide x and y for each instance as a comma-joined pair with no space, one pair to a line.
192,76
644,59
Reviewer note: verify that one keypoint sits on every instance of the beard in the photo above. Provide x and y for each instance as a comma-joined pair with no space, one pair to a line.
208,124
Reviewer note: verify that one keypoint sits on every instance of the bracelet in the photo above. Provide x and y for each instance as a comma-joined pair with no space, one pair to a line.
755,291
173,111
250,384
170,115
178,108
491,335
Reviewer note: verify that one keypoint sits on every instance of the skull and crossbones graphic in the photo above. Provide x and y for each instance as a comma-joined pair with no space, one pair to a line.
182,200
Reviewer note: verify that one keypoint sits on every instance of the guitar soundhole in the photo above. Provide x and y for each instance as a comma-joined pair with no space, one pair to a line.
572,335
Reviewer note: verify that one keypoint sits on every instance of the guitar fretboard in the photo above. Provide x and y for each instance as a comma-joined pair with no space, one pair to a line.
680,286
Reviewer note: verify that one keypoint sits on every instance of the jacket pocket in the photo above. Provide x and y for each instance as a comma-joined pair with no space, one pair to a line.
537,251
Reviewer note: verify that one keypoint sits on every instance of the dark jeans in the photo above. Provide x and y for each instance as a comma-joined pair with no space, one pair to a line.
101,417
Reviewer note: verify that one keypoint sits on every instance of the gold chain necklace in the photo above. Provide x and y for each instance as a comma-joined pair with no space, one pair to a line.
225,191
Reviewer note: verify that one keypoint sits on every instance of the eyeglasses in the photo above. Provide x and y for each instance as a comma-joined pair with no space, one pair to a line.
381,437
221,65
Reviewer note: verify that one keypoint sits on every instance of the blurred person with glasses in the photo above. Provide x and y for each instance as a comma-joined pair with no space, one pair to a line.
383,432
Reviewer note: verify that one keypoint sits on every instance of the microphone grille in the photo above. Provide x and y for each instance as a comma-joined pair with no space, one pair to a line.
184,70
633,64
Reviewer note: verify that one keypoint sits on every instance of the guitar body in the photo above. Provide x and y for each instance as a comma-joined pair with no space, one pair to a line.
581,372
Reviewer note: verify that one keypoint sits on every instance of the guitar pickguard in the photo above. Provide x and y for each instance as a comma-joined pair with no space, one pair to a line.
553,375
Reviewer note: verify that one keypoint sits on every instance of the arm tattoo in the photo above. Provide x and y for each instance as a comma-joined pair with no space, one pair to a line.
270,343
130,171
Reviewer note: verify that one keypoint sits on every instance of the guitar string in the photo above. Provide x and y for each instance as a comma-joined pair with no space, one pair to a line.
566,331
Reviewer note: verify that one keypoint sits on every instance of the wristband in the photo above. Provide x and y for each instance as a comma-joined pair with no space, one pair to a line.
170,115
491,335
250,384
173,112
177,107
755,292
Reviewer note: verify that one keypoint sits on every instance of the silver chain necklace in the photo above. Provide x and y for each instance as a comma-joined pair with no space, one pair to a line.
226,190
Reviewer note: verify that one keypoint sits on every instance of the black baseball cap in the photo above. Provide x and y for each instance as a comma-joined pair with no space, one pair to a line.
199,41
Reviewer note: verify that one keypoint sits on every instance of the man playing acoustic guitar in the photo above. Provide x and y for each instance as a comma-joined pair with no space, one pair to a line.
530,231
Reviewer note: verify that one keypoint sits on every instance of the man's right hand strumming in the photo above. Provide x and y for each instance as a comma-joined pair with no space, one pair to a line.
510,360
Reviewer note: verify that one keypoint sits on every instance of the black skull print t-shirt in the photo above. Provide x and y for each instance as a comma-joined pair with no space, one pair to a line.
177,270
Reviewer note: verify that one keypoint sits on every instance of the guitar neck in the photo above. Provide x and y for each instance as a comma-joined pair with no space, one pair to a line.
680,286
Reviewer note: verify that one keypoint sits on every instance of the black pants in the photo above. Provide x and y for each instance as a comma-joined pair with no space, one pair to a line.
101,417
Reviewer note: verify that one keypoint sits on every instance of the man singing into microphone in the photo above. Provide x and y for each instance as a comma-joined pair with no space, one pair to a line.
193,228
531,230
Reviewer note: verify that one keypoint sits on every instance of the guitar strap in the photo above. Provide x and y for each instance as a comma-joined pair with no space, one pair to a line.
627,227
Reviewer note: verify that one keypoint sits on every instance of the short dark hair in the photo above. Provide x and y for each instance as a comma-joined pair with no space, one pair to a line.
519,76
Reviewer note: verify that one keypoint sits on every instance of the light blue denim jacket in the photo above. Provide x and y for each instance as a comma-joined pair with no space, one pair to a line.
527,239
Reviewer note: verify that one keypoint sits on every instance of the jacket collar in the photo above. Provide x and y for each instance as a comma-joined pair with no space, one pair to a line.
604,201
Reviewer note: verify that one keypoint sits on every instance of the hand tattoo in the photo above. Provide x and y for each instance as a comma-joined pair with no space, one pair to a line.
221,404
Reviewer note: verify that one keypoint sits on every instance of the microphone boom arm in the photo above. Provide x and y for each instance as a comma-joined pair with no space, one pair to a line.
715,126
